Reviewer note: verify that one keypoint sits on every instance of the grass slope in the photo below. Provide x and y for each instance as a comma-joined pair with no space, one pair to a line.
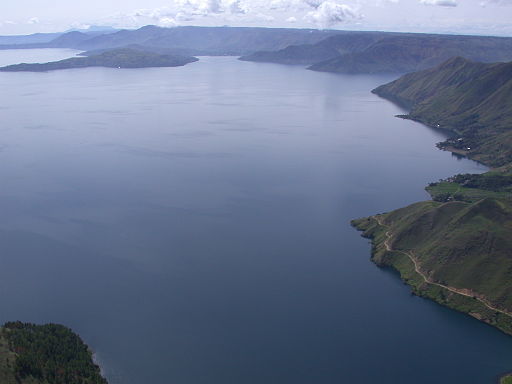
474,100
461,245
457,249
472,188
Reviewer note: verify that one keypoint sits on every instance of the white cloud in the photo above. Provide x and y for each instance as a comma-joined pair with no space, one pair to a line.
264,17
323,13
314,3
496,2
441,3
183,11
167,22
236,8
329,13
33,20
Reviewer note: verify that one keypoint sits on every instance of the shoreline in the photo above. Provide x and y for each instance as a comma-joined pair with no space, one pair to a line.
460,300
380,247
405,262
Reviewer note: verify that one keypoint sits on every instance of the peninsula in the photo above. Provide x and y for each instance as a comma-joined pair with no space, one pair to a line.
114,58
456,249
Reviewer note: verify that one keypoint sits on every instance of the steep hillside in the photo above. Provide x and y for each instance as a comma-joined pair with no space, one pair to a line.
329,48
474,100
413,52
116,58
456,253
457,249
45,354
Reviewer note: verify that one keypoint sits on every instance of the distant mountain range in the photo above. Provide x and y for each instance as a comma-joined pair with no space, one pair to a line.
36,38
114,58
342,43
43,39
376,52
196,40
330,50
409,53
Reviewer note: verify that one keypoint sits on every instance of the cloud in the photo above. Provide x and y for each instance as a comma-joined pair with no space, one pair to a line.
180,11
329,13
7,22
33,20
322,13
236,8
496,2
264,17
314,3
441,3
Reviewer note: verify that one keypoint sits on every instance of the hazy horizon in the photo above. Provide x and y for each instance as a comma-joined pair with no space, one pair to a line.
480,17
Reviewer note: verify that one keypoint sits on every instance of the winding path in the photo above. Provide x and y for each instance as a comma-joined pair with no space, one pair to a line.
410,255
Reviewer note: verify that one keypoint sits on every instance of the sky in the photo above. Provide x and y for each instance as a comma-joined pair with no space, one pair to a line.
488,17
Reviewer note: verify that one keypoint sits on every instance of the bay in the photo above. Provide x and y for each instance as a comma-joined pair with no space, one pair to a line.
192,225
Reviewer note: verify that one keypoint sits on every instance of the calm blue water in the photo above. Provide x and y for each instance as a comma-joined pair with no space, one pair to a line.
192,224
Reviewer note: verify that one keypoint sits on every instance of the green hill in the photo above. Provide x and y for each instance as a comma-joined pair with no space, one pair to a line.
457,249
474,100
115,58
462,253
45,354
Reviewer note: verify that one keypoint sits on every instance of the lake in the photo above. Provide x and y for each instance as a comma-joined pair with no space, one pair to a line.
192,225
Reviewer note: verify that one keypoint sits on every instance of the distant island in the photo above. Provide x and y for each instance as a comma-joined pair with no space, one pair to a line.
113,58
339,51
45,354
457,248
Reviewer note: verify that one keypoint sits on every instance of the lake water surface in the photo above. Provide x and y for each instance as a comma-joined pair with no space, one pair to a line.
192,224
